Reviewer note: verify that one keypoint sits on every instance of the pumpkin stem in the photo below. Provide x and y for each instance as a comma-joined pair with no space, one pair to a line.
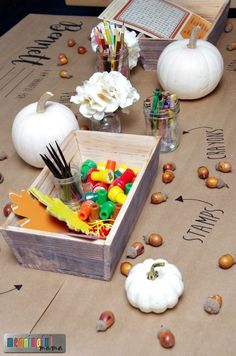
153,274
193,38
42,102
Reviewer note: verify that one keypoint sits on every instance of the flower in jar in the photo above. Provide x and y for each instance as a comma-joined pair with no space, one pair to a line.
104,93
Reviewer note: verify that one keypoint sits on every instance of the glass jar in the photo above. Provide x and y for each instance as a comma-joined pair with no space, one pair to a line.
107,61
164,123
70,190
110,123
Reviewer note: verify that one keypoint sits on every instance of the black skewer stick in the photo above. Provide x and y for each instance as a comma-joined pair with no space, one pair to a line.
63,159
51,166
55,157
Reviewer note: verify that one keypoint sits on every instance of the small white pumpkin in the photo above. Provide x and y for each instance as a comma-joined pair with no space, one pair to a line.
39,124
190,68
154,286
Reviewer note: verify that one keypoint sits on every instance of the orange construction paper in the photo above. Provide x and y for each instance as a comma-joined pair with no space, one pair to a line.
34,213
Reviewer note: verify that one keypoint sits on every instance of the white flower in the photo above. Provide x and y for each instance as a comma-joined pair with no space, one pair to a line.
103,93
130,40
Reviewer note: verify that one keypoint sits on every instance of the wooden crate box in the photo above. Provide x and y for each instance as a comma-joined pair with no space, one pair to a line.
97,258
215,11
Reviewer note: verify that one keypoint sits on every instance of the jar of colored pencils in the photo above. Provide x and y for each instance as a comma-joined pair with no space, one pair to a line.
161,113
69,190
108,60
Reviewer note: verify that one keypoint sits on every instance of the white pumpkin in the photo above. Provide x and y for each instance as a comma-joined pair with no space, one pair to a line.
39,124
154,286
190,68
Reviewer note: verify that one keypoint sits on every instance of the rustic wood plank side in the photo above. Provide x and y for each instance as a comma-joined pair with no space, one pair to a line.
219,25
214,12
57,255
113,252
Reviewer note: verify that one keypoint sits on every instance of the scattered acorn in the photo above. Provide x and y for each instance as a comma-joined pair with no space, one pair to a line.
166,337
231,46
224,167
213,304
1,178
213,182
228,27
106,320
81,50
125,267
169,166
61,55
203,172
3,155
71,42
153,239
62,58
158,198
7,210
64,74
136,249
167,176
226,261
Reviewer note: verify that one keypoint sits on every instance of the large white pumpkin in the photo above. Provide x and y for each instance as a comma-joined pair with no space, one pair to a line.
190,68
39,124
154,286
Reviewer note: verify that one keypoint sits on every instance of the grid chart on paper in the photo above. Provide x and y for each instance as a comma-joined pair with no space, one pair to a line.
155,16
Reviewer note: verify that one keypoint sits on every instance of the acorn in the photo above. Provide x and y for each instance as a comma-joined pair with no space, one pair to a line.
226,261
153,239
1,178
167,176
71,42
64,74
224,167
169,166
106,320
229,26
231,46
7,210
81,50
166,337
213,182
158,198
62,58
125,267
203,172
3,155
136,249
213,304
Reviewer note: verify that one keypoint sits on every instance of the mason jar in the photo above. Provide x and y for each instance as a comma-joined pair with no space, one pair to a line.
107,61
163,122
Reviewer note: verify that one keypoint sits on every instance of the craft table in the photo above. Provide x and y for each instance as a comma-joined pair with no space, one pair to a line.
56,303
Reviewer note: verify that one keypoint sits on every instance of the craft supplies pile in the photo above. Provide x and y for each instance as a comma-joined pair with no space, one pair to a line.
88,198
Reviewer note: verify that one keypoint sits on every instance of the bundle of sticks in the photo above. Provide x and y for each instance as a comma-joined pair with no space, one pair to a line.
57,165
